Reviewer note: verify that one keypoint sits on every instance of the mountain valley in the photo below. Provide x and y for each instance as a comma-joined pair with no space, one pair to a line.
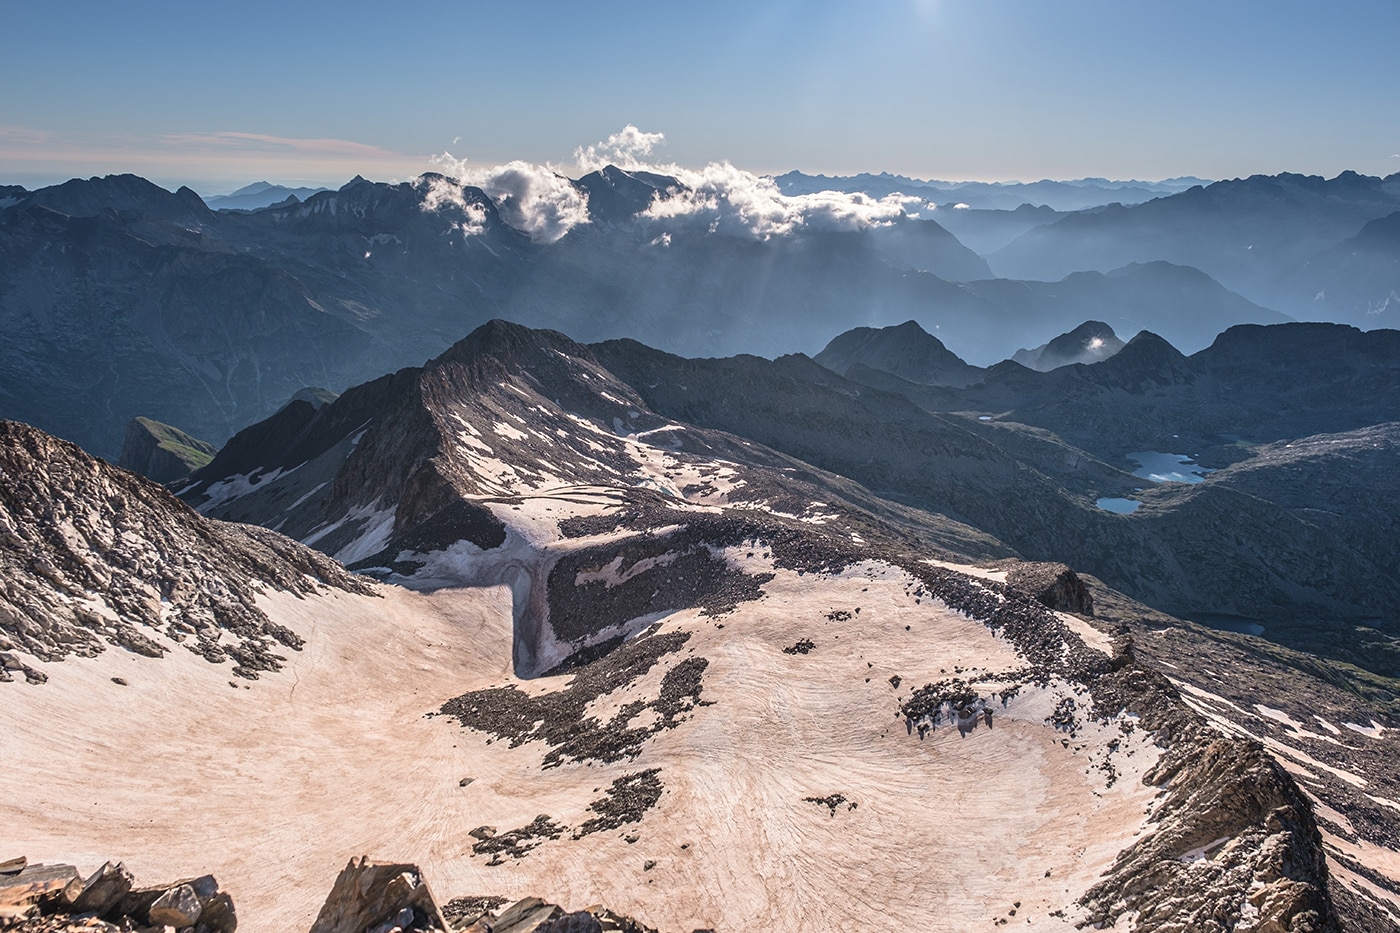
884,632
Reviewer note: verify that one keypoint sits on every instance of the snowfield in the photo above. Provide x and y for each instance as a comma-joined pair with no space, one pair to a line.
272,785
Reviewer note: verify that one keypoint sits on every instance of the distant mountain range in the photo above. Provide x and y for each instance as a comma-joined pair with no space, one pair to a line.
117,289
258,194
1074,195
1060,440
1309,247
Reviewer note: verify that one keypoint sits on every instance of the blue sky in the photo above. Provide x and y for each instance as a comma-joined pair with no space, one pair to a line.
216,95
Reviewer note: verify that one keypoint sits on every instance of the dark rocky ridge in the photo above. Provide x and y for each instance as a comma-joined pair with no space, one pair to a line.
162,452
1224,674
907,351
1090,342
1036,492
1214,788
424,444
559,720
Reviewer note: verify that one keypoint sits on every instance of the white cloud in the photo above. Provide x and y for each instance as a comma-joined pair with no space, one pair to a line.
729,200
719,198
531,198
443,193
625,149
265,143
23,135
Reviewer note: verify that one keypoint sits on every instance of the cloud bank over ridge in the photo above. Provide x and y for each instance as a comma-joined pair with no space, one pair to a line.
534,199
719,198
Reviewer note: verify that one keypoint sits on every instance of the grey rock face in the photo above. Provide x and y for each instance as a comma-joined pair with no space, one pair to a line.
218,915
379,896
178,907
54,899
104,890
92,556
1054,585
23,885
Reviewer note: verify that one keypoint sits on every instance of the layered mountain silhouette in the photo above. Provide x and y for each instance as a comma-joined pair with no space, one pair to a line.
259,194
986,231
115,289
1250,234
1357,280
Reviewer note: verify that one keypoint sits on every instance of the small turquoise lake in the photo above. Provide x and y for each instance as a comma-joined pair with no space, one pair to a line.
1167,468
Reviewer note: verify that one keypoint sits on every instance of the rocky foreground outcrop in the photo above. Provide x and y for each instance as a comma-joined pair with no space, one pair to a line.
383,897
56,899
367,897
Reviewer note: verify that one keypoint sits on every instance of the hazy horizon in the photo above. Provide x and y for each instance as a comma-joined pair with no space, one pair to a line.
224,187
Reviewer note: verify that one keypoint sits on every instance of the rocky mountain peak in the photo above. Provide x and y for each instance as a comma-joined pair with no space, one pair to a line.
905,350
616,195
552,364
1145,360
128,195
508,341
1090,342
